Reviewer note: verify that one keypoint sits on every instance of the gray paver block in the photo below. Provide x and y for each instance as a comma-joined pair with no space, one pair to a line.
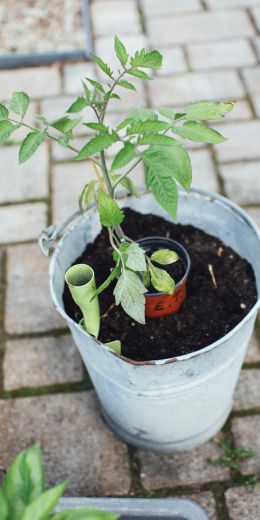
241,181
36,81
243,503
28,302
246,434
247,394
41,361
22,222
113,17
241,143
76,444
186,468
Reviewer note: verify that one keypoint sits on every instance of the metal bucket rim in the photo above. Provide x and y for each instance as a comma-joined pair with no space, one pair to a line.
214,197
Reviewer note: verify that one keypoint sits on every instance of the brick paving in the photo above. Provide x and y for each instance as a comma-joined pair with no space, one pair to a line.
212,50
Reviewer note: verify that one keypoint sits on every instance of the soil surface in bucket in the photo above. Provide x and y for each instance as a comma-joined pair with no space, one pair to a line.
214,304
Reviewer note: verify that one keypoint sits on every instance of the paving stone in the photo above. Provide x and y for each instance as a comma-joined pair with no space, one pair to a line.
203,172
153,8
206,501
256,43
173,61
220,54
241,142
199,27
256,14
36,81
254,213
41,361
68,181
253,351
76,444
247,394
243,503
246,434
104,47
21,182
252,80
241,181
183,89
110,16
28,302
186,468
22,222
74,73
223,4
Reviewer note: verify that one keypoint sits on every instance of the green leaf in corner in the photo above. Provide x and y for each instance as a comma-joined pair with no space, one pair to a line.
78,105
109,211
96,145
127,85
161,280
103,66
171,161
24,481
4,506
42,506
19,103
30,144
135,257
198,133
124,156
129,291
120,51
6,129
165,256
4,112
207,110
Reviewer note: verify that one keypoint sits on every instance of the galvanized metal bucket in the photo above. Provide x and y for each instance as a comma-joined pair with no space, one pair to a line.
171,404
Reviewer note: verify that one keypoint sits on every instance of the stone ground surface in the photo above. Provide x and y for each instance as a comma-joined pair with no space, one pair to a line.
212,49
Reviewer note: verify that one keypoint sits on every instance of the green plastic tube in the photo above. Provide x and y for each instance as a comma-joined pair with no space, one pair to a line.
80,279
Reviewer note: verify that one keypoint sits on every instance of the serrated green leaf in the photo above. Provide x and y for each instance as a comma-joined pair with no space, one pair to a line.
146,127
139,74
123,124
135,258
6,129
167,112
95,145
128,184
96,85
109,211
156,139
161,280
30,144
164,189
171,161
19,103
146,278
97,126
41,507
77,105
65,124
120,51
87,91
85,514
64,141
151,60
127,85
103,66
198,133
87,195
165,256
207,110
124,156
129,291
4,112
24,481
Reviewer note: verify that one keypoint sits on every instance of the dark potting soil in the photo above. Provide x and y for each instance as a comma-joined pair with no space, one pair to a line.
208,312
